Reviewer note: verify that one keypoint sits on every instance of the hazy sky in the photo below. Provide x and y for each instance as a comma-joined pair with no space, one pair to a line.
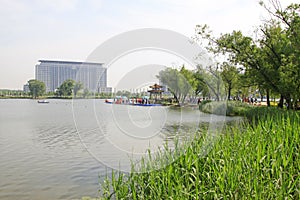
72,29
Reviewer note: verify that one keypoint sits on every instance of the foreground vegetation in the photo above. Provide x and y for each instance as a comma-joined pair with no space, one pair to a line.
259,160
229,108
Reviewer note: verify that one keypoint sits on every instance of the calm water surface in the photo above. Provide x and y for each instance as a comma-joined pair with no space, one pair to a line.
62,149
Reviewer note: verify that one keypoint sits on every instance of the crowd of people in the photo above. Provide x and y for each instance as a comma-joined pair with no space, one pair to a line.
249,100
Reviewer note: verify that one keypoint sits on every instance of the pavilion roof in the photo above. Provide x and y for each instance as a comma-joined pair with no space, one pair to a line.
155,86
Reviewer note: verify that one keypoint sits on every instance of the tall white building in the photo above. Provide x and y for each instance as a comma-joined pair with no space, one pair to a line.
93,76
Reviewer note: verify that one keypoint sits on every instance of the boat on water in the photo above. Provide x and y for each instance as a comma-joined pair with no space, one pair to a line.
155,92
43,101
118,100
151,104
144,101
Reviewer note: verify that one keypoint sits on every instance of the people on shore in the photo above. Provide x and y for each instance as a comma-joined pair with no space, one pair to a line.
199,101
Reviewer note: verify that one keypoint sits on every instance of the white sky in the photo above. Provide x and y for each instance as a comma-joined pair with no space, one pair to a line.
72,29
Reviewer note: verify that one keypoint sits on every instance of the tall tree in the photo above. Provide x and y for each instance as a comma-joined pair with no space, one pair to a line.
77,87
66,88
273,59
199,85
230,75
189,81
86,93
37,88
177,84
196,80
282,42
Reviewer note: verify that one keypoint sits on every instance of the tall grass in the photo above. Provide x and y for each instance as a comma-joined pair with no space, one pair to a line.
260,161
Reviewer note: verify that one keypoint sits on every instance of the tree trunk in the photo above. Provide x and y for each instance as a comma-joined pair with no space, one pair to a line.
183,99
176,99
289,102
280,105
261,96
229,92
268,98
218,90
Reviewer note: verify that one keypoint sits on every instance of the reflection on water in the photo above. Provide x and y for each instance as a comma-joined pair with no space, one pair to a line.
58,151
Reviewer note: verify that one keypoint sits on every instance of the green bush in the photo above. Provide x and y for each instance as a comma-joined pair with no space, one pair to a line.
229,108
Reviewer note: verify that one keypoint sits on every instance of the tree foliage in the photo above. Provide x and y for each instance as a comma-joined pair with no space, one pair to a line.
176,82
77,87
199,84
271,60
86,93
230,75
66,88
37,88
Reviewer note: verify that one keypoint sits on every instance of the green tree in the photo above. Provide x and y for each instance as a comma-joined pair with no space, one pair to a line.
85,93
188,82
66,88
196,79
199,83
214,81
272,61
282,45
77,87
176,82
230,76
37,88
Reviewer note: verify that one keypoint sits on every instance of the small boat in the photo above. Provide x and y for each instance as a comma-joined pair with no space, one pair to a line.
109,102
151,104
118,100
43,101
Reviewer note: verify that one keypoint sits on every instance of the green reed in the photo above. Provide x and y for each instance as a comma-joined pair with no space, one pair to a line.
258,161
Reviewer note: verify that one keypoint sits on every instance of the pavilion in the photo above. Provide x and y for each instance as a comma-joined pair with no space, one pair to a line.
156,91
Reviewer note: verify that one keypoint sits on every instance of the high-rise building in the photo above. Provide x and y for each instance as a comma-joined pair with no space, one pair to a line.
26,88
93,76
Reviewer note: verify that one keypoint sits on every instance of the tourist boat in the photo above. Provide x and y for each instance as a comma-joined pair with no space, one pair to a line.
151,104
122,100
155,91
108,101
43,101
118,100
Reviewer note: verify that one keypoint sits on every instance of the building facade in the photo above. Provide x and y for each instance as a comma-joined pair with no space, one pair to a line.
93,76
26,88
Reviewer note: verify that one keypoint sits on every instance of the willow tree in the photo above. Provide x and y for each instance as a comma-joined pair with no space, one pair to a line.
176,82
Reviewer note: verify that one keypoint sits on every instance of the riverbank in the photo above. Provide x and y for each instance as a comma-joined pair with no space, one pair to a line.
50,97
258,160
233,108
228,108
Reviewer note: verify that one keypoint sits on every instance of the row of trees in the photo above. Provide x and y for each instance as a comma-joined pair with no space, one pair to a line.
12,93
183,83
67,88
268,63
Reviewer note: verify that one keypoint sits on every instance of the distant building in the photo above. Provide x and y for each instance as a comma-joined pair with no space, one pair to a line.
105,90
93,76
26,88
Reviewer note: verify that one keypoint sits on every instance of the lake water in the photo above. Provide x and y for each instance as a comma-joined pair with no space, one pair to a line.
62,150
